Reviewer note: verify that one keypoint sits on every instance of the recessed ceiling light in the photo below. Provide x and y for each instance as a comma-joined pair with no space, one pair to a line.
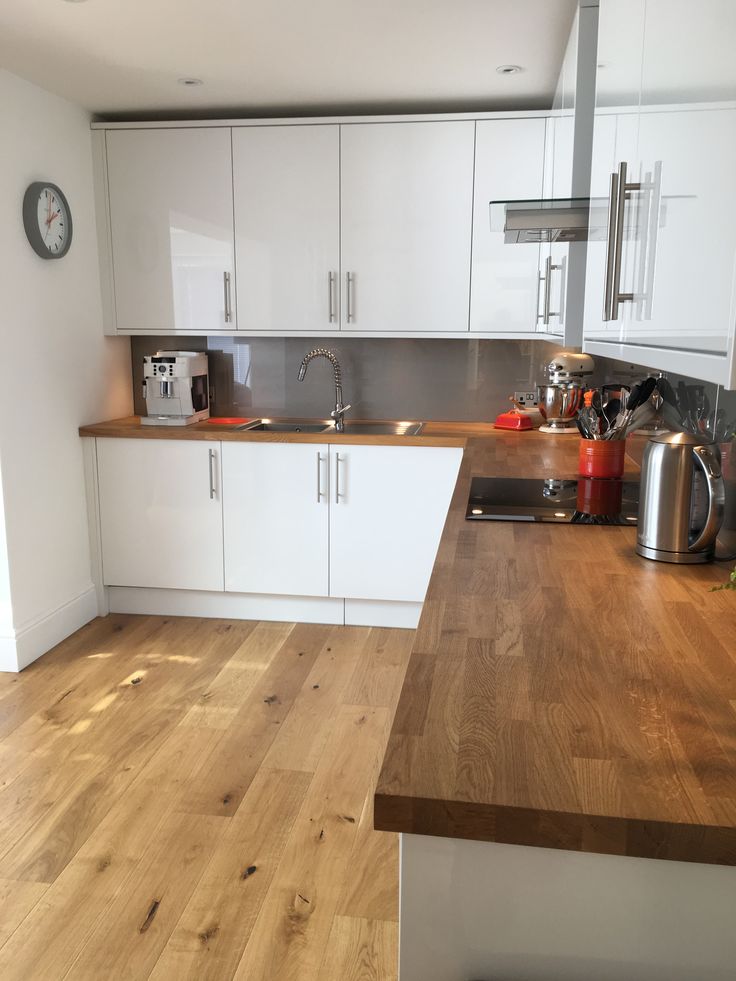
181,81
76,1
509,69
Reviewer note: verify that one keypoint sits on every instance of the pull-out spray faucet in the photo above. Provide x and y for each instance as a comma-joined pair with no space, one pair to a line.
338,413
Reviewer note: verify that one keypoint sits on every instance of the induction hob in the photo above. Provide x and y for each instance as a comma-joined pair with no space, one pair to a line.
585,501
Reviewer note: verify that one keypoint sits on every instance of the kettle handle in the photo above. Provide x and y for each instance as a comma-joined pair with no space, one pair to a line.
710,464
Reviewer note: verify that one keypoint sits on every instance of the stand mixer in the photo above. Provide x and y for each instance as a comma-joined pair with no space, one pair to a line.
562,396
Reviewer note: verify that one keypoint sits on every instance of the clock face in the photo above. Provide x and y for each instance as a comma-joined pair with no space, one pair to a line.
47,220
53,220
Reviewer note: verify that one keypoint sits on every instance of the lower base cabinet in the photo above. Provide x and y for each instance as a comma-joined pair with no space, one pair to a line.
387,511
280,519
160,513
276,518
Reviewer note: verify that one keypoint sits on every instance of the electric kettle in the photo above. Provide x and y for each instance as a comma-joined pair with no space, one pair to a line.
681,499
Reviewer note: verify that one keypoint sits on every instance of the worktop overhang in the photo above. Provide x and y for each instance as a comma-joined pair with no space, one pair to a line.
564,692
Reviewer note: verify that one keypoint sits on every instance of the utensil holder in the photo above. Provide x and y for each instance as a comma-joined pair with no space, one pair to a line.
602,458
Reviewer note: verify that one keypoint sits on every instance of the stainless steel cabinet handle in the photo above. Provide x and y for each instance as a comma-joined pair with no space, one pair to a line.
320,461
213,490
546,313
331,281
226,288
350,285
338,461
612,295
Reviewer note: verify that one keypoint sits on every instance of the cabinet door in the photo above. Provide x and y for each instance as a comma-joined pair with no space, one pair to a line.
687,149
407,200
509,164
387,510
160,513
171,218
276,518
287,227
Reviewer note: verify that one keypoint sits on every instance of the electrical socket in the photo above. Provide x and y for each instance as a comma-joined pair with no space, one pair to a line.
527,399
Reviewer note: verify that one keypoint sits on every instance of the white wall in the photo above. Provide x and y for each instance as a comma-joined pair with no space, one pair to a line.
59,372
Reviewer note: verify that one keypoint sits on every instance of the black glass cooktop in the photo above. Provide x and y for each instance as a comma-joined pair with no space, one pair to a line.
585,501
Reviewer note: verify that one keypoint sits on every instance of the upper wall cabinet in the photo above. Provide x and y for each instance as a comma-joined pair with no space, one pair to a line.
406,199
171,230
509,165
287,227
667,264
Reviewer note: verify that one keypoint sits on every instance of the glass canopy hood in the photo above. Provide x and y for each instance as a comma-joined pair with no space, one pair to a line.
549,220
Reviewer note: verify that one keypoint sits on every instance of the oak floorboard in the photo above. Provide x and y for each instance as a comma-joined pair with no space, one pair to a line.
117,750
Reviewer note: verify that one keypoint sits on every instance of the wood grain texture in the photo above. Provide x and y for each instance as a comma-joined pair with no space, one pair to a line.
169,787
433,433
563,691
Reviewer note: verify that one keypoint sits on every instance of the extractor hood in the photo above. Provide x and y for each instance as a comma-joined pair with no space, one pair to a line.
548,220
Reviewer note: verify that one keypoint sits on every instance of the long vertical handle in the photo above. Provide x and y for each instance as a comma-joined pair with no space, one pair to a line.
226,290
610,246
331,279
710,465
320,460
213,489
338,461
547,302
350,285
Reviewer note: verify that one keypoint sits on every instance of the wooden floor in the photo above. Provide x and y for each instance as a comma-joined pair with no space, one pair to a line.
192,799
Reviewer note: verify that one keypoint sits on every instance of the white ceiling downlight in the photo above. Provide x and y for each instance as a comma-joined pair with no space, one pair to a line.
509,69
189,82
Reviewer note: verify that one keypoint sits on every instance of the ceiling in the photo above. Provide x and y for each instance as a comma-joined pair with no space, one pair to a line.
122,58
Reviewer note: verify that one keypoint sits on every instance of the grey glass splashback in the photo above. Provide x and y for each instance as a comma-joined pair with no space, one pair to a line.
463,380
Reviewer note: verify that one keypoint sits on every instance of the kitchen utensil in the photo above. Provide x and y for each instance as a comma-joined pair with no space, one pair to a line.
589,419
639,395
682,499
610,411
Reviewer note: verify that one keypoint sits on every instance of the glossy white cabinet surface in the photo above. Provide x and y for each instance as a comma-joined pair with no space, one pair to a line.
406,199
171,227
276,516
287,227
676,134
509,162
160,513
388,506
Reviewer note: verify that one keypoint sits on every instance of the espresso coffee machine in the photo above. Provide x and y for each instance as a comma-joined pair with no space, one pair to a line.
176,388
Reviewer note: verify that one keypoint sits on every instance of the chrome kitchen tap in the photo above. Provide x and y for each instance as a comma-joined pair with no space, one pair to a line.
338,413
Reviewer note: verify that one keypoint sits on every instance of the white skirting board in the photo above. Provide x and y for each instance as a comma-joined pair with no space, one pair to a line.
24,645
486,911
247,606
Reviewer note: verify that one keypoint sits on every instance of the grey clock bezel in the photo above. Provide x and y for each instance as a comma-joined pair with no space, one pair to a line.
30,219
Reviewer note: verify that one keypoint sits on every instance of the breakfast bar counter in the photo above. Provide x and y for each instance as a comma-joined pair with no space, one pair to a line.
568,715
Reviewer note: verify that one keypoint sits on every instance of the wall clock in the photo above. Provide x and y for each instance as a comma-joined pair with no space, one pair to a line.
47,220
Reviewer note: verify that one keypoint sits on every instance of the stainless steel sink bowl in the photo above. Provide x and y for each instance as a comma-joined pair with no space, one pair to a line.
382,429
285,426
327,426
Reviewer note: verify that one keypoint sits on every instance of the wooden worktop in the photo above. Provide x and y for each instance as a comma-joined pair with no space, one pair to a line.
433,433
563,691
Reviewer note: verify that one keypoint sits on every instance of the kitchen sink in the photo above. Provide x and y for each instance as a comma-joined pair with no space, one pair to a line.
291,426
382,429
325,426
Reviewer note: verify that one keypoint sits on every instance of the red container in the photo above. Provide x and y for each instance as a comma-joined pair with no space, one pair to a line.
602,457
599,496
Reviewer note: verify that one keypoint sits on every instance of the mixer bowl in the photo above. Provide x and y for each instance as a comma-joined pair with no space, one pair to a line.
560,403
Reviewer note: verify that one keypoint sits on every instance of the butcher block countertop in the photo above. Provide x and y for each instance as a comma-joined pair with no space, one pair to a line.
433,433
562,691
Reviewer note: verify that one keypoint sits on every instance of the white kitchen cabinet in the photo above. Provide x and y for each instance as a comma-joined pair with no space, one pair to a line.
387,510
276,518
171,229
509,165
672,293
287,227
407,201
160,513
